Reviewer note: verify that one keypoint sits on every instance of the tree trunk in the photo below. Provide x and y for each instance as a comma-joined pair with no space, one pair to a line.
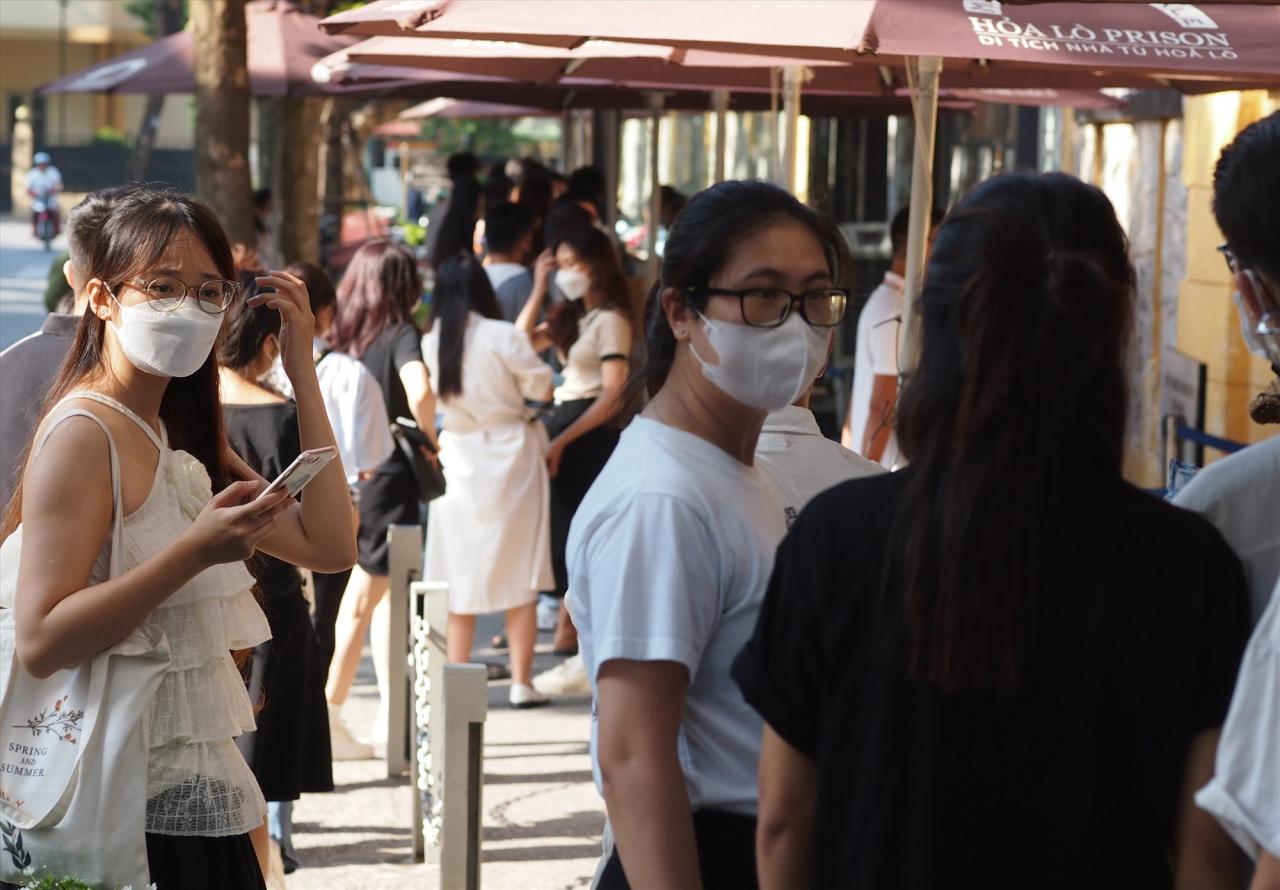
297,186
168,20
222,114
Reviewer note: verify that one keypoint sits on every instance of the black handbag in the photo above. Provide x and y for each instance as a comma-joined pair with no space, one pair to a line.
413,442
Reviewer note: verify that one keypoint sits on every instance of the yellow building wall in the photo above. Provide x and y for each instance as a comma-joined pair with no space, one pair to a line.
1208,327
97,30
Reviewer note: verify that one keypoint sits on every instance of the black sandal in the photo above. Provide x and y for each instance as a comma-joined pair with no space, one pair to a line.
497,672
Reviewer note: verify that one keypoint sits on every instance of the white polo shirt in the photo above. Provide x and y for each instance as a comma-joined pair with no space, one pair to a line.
876,355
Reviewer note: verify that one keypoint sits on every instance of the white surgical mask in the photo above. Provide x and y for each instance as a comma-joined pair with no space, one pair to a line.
166,344
573,283
764,368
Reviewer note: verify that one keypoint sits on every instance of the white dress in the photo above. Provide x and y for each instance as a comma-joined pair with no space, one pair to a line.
197,781
489,535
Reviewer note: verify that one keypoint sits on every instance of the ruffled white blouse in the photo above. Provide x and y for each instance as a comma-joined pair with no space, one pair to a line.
197,781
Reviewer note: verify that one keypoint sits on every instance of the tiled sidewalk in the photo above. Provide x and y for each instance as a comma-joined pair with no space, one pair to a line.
542,816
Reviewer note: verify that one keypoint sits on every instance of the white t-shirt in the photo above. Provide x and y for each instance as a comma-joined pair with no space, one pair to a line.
808,462
876,355
1244,794
357,412
41,180
1240,495
353,401
669,556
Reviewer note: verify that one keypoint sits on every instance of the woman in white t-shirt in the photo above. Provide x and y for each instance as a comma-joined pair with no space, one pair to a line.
593,334
671,550
489,536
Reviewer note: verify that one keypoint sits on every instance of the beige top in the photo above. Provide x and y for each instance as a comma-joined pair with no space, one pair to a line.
603,335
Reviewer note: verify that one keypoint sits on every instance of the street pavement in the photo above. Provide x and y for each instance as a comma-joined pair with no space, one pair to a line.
542,816
24,270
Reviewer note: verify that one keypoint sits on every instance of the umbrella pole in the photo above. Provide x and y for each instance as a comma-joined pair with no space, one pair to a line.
793,77
655,102
720,104
924,103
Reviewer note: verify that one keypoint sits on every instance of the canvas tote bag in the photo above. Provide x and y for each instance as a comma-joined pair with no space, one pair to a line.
73,755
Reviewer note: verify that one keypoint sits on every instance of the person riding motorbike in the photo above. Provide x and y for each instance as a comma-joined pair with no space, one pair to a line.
43,184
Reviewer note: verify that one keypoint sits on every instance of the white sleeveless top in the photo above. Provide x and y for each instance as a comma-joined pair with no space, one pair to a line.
197,781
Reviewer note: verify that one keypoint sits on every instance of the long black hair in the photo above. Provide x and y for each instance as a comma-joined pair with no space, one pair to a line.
246,328
458,228
137,230
705,232
462,287
1027,314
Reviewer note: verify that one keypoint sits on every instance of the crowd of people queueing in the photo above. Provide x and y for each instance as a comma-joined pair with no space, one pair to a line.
1001,665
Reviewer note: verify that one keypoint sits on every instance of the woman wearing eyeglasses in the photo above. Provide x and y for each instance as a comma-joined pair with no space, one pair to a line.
135,409
671,550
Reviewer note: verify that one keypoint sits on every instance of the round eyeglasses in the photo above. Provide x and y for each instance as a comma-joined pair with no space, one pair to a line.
769,307
167,294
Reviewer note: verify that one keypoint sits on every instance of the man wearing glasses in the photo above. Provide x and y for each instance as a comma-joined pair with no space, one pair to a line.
1241,496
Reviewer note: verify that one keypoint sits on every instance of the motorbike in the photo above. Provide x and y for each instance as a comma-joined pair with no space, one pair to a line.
44,207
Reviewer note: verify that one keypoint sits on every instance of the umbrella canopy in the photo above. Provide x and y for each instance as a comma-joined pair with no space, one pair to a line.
282,43
1000,45
441,108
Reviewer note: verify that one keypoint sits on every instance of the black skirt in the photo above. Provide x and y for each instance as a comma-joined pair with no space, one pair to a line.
388,497
289,752
580,464
203,863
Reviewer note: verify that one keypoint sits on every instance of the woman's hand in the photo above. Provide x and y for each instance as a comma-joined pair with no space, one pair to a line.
297,324
554,453
543,269
232,524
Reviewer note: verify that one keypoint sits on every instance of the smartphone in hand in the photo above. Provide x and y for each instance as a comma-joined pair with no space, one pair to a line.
305,468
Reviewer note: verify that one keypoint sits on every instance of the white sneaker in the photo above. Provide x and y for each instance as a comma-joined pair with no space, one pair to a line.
547,611
342,744
569,677
525,696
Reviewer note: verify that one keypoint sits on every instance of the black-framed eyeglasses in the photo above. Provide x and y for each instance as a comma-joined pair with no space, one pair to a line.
167,294
769,307
1229,255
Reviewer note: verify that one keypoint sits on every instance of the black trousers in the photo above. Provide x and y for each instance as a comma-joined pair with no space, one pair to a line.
579,466
328,590
726,853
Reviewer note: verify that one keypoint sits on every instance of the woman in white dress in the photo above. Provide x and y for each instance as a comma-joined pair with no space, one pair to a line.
489,536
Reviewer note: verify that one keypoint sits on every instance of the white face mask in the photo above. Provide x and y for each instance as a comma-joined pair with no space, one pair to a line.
166,344
764,368
573,283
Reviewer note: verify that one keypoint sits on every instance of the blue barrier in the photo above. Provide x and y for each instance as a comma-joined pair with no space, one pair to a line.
1190,434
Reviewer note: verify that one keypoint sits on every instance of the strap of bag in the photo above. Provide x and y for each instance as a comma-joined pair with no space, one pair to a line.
98,667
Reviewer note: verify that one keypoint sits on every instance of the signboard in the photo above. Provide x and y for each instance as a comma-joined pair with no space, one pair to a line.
1182,394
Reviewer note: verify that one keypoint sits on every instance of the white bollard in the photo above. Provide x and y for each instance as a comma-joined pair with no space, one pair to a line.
466,704
428,612
405,558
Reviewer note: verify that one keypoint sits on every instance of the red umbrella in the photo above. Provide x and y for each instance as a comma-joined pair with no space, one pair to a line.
1000,45
282,44
461,108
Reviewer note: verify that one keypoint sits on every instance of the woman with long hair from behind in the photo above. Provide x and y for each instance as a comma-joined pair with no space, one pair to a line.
489,537
1003,664
593,333
139,390
375,299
